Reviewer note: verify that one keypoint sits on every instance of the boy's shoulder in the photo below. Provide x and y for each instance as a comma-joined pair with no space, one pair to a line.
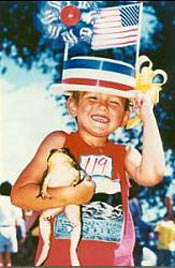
122,146
57,134
55,139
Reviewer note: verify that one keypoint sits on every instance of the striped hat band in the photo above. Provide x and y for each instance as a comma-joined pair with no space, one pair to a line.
98,75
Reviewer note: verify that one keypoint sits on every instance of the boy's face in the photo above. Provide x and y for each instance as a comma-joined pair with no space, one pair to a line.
99,114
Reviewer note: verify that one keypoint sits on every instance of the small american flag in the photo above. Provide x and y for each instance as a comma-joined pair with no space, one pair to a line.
116,27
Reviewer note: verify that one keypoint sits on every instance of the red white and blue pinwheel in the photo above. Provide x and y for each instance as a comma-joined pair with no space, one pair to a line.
72,21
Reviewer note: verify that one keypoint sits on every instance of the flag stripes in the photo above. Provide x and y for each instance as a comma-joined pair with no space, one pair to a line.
116,27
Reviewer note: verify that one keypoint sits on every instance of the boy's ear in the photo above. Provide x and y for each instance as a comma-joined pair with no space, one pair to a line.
125,119
72,106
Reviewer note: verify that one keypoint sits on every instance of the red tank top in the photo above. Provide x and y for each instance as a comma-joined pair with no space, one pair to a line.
107,232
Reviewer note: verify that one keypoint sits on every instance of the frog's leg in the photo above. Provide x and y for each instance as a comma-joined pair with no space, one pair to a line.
72,212
45,231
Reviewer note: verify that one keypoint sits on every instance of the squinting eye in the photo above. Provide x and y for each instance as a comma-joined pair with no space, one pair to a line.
114,103
92,97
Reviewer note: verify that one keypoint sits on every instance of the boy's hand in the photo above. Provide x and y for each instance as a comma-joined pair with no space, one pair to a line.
84,191
143,106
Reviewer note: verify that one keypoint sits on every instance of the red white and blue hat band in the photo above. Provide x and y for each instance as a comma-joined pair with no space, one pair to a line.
98,74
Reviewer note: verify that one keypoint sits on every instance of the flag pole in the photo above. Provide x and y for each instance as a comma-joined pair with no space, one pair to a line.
66,50
139,33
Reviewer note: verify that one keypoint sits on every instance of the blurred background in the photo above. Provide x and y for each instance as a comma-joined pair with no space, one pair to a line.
30,63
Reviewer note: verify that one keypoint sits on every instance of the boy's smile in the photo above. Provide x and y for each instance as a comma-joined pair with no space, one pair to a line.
100,118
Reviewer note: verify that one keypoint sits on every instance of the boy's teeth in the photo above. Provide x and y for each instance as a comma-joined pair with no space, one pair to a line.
102,119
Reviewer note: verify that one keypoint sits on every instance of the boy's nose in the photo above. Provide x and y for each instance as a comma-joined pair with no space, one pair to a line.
103,104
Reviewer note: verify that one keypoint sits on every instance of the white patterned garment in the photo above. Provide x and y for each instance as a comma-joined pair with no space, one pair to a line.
10,216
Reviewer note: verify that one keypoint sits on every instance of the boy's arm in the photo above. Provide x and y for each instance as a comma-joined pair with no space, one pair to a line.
146,169
27,186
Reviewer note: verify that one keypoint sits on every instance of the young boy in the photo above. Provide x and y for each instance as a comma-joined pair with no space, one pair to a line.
100,105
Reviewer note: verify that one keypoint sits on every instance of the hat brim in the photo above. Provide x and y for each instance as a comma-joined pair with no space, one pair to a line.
67,89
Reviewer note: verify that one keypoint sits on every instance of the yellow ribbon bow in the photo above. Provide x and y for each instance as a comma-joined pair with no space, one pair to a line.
146,83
